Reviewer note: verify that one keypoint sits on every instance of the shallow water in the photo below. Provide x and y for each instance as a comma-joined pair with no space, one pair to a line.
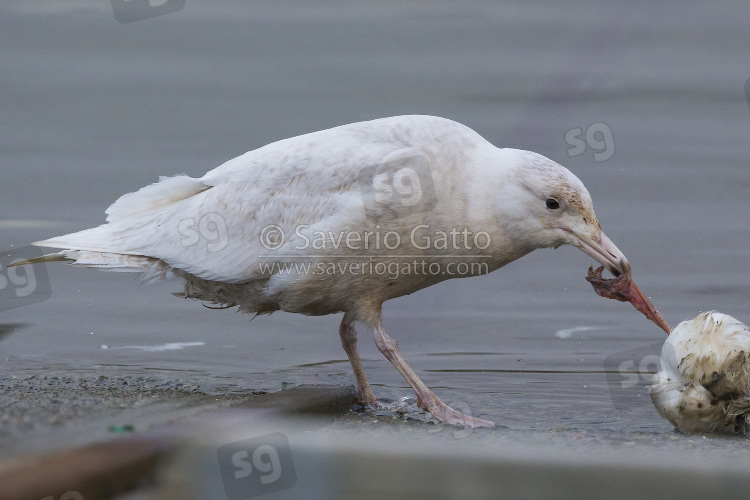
91,109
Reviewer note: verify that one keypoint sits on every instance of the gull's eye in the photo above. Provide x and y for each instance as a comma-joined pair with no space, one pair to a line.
552,204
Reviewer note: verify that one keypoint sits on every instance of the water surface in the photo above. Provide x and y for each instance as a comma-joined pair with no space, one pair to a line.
91,109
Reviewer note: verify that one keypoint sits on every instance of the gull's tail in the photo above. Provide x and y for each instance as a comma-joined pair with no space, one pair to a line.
152,268
131,222
50,257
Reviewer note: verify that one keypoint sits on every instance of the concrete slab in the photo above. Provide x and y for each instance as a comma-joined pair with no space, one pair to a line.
352,464
104,469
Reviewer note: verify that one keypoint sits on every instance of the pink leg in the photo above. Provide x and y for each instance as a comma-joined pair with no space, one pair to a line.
349,342
426,399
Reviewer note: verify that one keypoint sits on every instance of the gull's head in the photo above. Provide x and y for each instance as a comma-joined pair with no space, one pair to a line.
557,210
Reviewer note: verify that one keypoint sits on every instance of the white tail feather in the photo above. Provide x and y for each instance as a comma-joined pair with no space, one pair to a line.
101,247
165,192
94,240
152,269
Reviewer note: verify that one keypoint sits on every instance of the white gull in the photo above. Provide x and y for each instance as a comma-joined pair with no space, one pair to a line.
379,209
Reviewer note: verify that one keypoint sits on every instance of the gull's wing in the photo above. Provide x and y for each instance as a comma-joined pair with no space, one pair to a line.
219,227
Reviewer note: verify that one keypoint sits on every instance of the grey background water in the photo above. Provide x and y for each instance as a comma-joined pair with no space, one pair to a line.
91,109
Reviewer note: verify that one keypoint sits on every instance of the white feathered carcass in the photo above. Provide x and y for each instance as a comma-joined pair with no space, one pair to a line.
704,381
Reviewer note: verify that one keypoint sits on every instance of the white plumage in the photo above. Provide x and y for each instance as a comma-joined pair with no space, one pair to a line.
395,175
704,381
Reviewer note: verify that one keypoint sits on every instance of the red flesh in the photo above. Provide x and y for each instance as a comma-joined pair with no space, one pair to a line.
624,289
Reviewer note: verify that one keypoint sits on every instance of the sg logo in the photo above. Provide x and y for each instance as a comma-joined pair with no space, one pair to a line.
256,466
397,188
629,374
127,11
598,137
22,285
210,226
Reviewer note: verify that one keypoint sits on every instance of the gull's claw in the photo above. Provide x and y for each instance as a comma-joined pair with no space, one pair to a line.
448,415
